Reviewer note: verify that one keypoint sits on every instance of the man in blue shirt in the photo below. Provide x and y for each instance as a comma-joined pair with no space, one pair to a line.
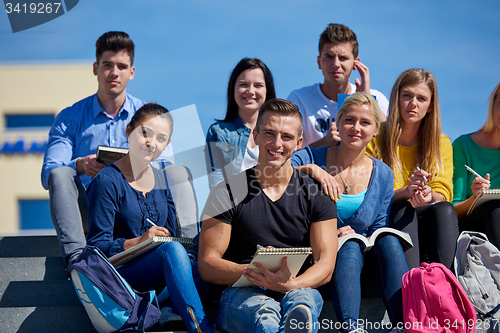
70,159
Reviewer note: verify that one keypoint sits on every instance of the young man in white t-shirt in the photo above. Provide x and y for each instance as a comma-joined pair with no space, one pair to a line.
338,57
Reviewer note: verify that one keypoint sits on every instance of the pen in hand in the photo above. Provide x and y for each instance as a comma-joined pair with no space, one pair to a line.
425,178
475,173
152,223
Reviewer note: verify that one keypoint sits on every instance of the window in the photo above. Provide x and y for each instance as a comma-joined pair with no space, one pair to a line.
14,121
34,214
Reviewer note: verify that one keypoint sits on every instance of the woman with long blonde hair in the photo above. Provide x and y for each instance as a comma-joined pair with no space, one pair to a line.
480,151
366,187
421,157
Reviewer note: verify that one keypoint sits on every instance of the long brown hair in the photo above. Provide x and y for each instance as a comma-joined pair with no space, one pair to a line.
429,156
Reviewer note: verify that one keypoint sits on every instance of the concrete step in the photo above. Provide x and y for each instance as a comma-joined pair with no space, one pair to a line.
37,296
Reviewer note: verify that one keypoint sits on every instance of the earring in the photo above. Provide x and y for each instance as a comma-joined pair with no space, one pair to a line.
374,135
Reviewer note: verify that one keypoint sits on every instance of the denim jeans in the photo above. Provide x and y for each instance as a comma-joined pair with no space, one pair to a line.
167,269
252,309
346,281
68,209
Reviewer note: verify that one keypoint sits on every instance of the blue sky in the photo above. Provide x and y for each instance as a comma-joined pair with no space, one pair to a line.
185,50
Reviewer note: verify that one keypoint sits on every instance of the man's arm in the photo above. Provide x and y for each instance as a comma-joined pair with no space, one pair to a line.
214,240
324,243
61,147
88,165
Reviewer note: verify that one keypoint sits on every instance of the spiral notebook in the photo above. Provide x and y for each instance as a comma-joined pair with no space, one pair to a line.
123,257
487,195
271,259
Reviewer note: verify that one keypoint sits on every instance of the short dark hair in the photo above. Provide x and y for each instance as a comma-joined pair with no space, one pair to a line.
338,33
282,108
115,41
243,65
150,110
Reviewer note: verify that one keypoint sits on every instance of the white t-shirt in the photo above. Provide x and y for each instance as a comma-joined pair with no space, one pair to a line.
251,158
319,111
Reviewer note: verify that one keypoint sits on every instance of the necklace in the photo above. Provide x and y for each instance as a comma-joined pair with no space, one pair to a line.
347,186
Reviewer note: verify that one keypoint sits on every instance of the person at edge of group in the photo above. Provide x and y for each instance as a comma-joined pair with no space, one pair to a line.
280,207
231,148
130,202
338,57
367,187
70,158
480,151
412,145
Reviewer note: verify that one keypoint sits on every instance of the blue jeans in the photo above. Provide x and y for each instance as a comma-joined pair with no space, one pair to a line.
167,269
252,309
68,209
346,281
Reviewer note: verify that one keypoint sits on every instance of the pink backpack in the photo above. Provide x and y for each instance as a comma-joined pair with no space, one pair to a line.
434,301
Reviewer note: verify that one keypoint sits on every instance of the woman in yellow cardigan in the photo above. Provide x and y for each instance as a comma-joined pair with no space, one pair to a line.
421,157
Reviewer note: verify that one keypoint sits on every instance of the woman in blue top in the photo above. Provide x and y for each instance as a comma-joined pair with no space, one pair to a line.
231,147
130,202
367,187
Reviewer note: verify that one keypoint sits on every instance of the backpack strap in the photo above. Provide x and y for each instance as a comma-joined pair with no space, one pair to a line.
491,313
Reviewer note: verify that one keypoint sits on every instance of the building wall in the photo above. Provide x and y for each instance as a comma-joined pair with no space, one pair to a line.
29,90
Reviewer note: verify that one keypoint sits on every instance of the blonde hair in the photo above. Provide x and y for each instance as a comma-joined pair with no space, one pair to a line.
489,126
429,156
360,98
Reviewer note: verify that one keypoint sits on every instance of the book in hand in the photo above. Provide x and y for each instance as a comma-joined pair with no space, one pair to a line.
123,257
404,238
487,195
271,258
108,155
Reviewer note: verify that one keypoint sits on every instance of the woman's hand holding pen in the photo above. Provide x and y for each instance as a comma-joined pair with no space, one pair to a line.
418,181
480,184
153,231
421,197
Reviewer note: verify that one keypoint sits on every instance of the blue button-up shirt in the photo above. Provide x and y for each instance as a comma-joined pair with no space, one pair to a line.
79,129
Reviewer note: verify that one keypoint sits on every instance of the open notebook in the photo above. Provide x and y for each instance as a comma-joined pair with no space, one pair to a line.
487,195
271,259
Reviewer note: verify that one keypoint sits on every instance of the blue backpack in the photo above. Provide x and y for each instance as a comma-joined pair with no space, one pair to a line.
110,302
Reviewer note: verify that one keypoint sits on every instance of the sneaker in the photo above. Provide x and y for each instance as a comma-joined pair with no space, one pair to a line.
168,315
299,320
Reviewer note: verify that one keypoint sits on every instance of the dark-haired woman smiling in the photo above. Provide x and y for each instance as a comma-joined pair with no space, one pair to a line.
129,202
231,147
